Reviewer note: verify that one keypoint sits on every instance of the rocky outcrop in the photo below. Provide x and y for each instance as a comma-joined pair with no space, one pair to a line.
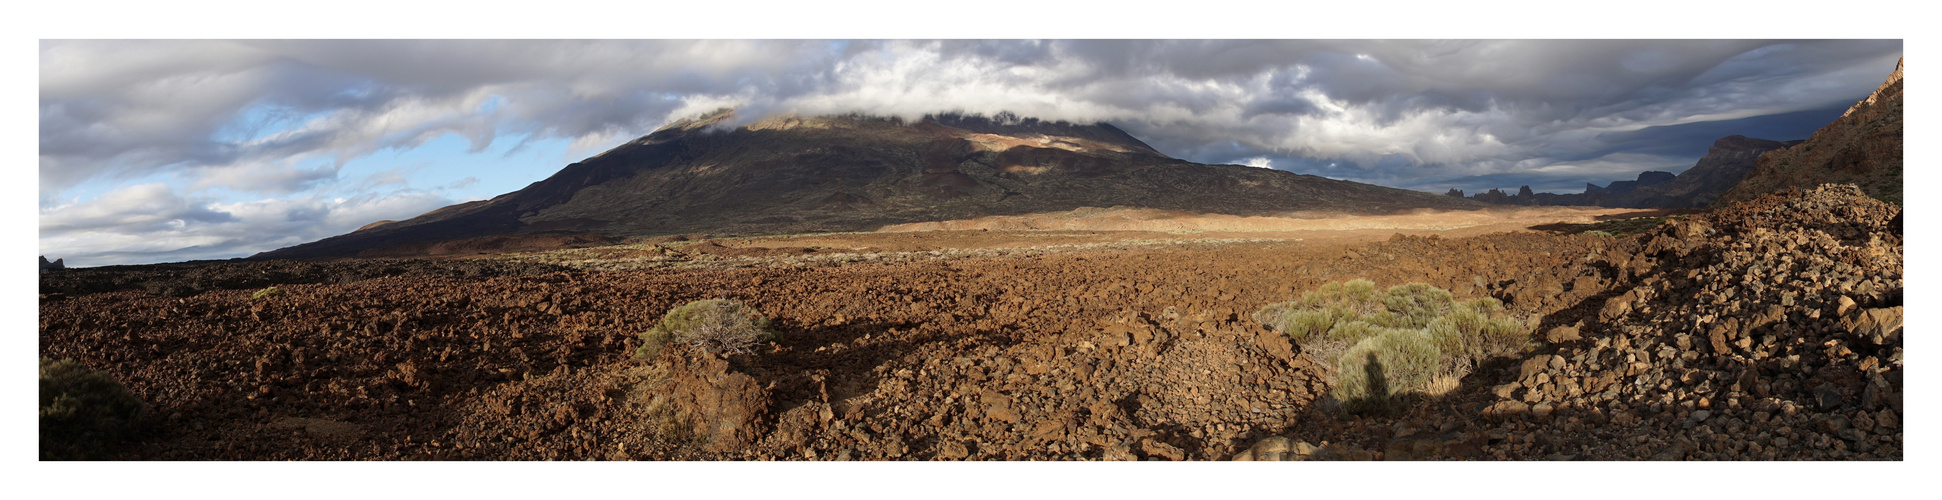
1863,147
57,264
1724,165
1649,178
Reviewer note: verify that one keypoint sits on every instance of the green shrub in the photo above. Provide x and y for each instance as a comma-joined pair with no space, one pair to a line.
1382,347
1621,227
83,413
718,326
1386,365
267,292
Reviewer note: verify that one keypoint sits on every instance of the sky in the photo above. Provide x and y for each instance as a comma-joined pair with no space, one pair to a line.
171,150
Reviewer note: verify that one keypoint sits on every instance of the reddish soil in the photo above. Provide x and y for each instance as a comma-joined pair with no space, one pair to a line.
1091,353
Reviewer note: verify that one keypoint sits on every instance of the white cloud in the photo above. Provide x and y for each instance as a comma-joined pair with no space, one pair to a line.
129,108
152,222
1258,161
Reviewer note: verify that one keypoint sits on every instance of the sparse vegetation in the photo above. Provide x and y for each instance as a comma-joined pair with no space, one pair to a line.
83,413
718,326
1386,346
266,293
1622,227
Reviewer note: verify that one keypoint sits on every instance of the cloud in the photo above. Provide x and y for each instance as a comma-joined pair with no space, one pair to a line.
280,119
148,222
125,108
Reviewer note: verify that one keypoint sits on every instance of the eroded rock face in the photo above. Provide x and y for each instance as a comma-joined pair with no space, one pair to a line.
1863,147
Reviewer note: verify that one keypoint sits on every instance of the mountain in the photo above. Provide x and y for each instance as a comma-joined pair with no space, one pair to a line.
1862,147
1724,165
857,173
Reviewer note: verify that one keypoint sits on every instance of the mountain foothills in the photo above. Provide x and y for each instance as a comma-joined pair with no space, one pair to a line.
1863,147
854,173
1721,169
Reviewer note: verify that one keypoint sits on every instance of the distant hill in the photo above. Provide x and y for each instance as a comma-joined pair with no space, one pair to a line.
856,173
1722,168
1863,147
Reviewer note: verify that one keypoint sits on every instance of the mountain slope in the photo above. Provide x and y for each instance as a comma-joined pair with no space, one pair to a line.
1863,147
854,173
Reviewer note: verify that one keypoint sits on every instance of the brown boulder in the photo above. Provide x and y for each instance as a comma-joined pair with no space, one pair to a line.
1882,326
1562,334
724,408
1154,448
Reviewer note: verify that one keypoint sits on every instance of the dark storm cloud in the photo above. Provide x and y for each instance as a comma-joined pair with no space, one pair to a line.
1693,139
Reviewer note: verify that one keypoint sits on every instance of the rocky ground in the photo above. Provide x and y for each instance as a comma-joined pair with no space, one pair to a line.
1769,330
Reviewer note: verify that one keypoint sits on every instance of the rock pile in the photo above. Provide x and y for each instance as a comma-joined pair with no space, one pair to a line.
1769,330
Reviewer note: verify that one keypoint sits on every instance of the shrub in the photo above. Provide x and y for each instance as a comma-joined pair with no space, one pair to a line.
83,412
1382,347
718,326
267,292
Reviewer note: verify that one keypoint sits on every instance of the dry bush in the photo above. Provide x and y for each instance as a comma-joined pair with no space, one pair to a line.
266,293
1411,339
83,413
716,326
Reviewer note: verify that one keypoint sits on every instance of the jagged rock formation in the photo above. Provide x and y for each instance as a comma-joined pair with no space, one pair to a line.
1646,179
853,173
57,264
1722,168
1863,147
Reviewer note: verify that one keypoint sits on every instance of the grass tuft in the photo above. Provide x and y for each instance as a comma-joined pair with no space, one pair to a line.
1384,348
